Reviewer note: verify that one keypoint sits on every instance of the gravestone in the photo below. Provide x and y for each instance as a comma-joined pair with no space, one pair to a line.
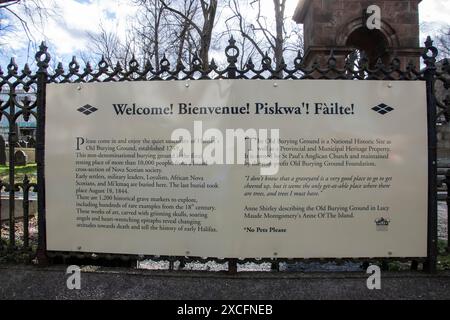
31,142
20,158
2,151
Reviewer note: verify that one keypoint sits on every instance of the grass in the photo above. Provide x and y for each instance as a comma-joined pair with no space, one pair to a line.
20,172
444,256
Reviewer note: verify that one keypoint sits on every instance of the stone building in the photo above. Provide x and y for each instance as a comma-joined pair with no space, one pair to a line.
341,25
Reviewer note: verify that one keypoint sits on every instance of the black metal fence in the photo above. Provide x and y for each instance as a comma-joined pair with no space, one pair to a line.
22,98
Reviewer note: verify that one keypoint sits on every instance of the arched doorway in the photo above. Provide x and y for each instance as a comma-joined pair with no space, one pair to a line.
369,43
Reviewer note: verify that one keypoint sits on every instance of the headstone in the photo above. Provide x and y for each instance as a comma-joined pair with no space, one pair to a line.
20,158
31,142
2,151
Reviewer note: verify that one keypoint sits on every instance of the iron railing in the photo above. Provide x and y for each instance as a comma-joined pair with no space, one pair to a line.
14,106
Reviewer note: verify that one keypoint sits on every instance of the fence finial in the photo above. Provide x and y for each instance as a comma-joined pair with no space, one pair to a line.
213,64
133,64
42,57
430,53
298,61
379,64
26,69
164,63
88,67
266,61
103,64
250,65
148,65
12,66
59,68
74,66
232,52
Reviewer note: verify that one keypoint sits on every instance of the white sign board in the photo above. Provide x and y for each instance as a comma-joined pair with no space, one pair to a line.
351,179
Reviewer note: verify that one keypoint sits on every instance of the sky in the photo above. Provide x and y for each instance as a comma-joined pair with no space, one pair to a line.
66,32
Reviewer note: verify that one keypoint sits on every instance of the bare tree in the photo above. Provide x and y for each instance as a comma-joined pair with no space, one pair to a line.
260,33
105,44
24,17
154,32
443,42
27,13
182,29
148,30
278,38
203,28
108,45
183,44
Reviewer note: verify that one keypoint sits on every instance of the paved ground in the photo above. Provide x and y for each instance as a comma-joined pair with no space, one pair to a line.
50,283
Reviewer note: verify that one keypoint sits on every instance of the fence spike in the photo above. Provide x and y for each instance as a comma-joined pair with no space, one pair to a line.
26,69
74,66
118,67
59,68
165,63
213,64
43,47
103,64
428,42
148,65
379,65
298,61
133,64
88,67
12,66
250,63
196,62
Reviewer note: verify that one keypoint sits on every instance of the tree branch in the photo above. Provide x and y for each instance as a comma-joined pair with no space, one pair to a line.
192,23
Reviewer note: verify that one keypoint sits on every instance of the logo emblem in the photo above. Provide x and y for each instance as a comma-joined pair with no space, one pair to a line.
382,109
382,224
87,109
